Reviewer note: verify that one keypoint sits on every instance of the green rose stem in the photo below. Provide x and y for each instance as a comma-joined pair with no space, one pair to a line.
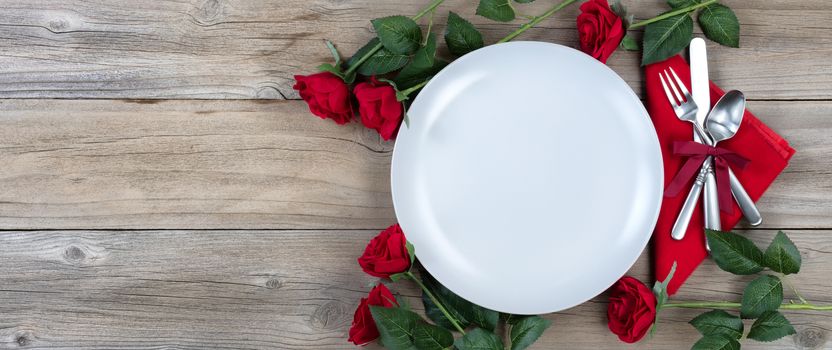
671,14
727,305
432,6
410,90
435,301
537,19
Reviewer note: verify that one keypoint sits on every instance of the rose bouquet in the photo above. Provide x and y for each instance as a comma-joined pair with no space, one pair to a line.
377,82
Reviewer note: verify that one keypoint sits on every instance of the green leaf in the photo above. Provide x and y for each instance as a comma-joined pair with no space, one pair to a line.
362,51
716,342
408,78
660,288
436,315
426,54
479,339
498,10
771,326
510,318
395,326
418,70
411,250
397,276
629,44
327,67
430,337
763,294
399,34
621,11
461,309
334,53
526,331
720,24
382,62
734,253
718,322
677,4
782,255
461,36
666,38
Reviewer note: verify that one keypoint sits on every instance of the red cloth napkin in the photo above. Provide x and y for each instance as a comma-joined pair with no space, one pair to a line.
768,154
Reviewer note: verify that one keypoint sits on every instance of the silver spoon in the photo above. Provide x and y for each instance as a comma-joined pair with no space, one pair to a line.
723,119
722,124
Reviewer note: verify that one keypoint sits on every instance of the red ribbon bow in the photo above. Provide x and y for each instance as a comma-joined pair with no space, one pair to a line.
697,153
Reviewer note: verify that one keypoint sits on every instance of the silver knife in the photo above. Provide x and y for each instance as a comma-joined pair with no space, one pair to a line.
700,91
701,94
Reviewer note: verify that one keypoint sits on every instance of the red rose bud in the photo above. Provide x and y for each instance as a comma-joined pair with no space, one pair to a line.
386,254
632,309
327,96
363,329
600,29
378,107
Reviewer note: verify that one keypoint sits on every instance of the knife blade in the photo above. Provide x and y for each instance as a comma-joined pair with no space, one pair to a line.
700,91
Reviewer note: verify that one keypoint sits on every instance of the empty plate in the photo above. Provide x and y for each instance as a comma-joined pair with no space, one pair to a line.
529,179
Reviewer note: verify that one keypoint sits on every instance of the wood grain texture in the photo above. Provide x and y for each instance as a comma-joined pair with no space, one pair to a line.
269,165
286,290
249,49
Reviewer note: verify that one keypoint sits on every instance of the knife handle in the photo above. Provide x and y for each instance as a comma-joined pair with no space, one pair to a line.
749,209
682,221
711,201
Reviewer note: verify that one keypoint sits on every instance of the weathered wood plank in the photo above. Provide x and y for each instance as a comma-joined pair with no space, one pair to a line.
247,164
251,49
281,289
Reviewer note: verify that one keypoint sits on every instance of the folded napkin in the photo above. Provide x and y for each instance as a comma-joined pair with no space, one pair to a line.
767,152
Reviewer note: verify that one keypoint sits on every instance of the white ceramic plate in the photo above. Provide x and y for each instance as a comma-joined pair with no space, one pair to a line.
530,177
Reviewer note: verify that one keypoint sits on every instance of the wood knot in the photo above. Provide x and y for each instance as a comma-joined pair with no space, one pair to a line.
82,254
330,315
273,283
210,12
810,338
74,254
23,338
58,25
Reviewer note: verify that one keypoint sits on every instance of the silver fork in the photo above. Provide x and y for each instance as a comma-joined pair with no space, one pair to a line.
686,109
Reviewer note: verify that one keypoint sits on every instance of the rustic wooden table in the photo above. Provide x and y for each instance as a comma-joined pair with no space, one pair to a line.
161,186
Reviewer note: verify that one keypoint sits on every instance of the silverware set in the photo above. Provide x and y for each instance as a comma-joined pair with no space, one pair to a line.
710,127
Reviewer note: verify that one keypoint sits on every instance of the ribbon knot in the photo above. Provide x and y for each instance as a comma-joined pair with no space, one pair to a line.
697,153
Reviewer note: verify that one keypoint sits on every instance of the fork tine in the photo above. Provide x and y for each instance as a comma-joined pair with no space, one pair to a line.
681,85
674,88
670,97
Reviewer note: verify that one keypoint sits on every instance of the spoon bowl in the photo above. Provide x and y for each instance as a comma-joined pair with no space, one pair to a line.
725,118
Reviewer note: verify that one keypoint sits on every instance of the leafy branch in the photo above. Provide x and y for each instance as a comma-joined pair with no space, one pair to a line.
762,298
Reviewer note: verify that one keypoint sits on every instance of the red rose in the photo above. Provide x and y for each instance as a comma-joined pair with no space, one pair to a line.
386,254
632,309
363,329
600,29
327,96
378,107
